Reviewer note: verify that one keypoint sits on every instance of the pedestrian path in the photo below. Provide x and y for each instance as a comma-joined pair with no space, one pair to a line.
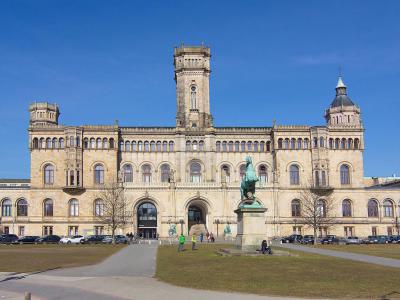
383,261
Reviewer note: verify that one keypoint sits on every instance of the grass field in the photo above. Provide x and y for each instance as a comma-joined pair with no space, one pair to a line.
307,275
383,250
28,258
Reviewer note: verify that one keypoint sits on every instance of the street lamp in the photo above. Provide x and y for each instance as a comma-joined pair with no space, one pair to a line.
217,221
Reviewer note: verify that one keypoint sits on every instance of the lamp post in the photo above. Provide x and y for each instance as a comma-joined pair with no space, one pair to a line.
217,221
181,222
295,225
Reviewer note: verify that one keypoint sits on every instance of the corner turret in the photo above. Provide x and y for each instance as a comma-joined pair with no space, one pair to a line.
43,114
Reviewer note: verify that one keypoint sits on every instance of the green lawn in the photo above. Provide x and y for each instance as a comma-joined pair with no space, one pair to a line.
29,258
307,275
383,250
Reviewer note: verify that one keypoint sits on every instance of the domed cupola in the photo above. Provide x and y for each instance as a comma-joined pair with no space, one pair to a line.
342,111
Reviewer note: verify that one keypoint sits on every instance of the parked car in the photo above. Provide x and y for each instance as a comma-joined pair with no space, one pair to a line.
294,238
29,239
92,239
48,239
330,239
372,239
8,238
394,239
352,240
75,239
383,239
119,239
307,239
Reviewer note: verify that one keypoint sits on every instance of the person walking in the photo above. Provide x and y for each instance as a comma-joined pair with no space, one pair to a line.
201,237
181,243
208,237
212,237
194,241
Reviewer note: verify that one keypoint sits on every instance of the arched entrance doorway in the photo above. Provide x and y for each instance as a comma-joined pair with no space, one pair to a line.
147,220
197,217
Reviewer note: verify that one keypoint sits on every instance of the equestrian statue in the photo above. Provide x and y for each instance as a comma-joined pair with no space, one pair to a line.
248,186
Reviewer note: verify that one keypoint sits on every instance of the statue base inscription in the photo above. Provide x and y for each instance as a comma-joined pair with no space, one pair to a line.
250,227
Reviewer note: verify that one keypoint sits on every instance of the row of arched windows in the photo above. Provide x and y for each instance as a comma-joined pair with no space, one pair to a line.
299,143
146,146
294,175
194,146
243,146
98,143
293,143
72,141
344,143
347,208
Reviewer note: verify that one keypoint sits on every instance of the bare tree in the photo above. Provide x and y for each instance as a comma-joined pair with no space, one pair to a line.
317,209
114,208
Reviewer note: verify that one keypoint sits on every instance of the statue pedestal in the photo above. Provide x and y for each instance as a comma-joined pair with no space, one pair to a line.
250,227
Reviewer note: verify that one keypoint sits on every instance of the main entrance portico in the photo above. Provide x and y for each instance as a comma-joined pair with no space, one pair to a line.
147,220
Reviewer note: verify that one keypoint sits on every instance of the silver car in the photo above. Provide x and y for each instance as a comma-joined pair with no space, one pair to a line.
352,240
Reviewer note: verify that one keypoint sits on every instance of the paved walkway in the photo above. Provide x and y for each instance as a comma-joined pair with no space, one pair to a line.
125,275
387,262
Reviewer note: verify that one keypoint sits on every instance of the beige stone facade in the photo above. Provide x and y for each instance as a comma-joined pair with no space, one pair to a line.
191,173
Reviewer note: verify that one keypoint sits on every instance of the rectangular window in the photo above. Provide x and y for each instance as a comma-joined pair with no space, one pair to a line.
72,230
374,230
47,230
297,229
322,231
98,230
6,230
348,231
21,230
390,230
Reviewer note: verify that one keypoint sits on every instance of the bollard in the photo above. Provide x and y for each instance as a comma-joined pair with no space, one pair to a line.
159,242
27,296
149,242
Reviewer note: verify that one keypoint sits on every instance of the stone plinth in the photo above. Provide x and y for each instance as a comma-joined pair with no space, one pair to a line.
250,227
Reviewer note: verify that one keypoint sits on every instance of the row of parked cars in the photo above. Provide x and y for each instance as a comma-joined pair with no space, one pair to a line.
333,239
55,239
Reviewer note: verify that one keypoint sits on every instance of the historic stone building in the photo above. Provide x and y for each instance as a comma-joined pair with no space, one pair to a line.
190,174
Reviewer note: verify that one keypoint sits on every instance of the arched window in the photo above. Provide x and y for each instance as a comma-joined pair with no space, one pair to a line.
48,208
165,146
194,146
296,208
224,146
92,143
343,144
230,146
330,143
321,142
263,174
262,146
22,208
226,173
165,172
193,98
388,208
127,146
249,146
140,146
356,143
306,143
299,144
121,145
78,141
147,215
42,143
6,206
48,143
201,146
127,173
218,146
195,172
346,208
152,146
35,143
71,141
237,146
293,144
146,146
321,208
48,174
344,174
171,146
373,211
111,143
337,143
99,143
242,171
98,174
255,148
315,144
146,173
286,144
294,175
188,146
98,207
350,144
133,146
268,146
158,146
85,143
243,146
62,144
105,143
73,208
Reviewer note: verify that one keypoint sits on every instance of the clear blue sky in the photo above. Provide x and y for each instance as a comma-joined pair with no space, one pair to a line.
107,60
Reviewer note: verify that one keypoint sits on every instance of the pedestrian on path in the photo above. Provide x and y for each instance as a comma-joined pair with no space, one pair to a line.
208,237
201,237
194,241
212,237
181,243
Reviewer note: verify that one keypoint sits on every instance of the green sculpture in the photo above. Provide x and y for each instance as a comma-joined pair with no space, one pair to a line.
248,186
172,230
227,230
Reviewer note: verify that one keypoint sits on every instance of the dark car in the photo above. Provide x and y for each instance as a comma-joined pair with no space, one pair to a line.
372,239
93,239
294,238
394,239
48,239
29,239
307,239
8,238
119,239
383,239
330,239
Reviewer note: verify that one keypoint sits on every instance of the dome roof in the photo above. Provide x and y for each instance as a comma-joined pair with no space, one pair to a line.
342,100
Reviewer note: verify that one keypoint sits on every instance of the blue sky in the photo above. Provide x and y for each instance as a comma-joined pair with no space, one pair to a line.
107,60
